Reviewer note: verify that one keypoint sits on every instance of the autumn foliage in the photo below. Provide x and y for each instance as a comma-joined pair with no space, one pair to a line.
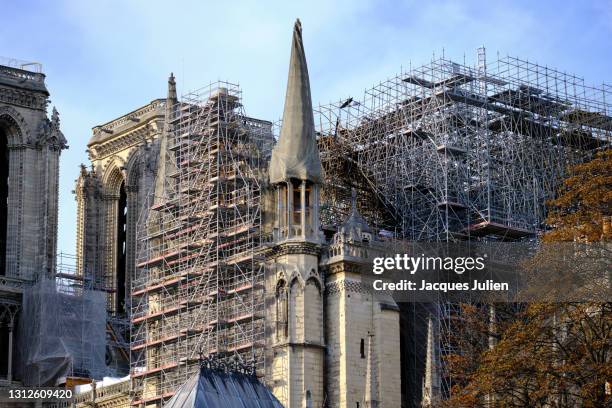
544,354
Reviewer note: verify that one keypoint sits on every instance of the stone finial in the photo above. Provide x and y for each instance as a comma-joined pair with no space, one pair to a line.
171,88
296,154
355,224
431,382
55,120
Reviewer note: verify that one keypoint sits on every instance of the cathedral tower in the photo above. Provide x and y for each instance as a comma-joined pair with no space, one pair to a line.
30,148
361,327
296,370
110,195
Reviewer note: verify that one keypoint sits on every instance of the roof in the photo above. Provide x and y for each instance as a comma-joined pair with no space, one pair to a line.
296,155
211,388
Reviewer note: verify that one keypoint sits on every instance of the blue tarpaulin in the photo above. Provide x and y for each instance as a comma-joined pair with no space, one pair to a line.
219,389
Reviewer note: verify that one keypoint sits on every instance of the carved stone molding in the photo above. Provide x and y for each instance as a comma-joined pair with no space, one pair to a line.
14,118
26,99
291,248
337,287
121,143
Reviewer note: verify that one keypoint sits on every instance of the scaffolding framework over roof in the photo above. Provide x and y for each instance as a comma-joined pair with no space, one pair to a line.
446,151
450,152
198,289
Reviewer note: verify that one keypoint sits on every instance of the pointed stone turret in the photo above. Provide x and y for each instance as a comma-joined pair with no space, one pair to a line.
355,226
431,382
162,167
171,88
296,155
55,120
295,173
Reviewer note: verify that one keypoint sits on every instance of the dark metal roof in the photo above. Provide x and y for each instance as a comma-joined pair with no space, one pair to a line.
212,388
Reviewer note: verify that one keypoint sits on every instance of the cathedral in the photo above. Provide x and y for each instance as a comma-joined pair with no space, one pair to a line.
205,240
320,336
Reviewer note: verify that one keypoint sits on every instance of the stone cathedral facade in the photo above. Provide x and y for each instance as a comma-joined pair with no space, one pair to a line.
110,194
30,148
329,340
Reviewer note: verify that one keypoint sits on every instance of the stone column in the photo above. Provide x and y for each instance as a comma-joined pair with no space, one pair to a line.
289,207
133,205
109,278
279,209
9,370
314,214
14,222
303,207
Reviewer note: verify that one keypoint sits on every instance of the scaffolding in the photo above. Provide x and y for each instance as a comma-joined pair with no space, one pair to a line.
198,289
449,152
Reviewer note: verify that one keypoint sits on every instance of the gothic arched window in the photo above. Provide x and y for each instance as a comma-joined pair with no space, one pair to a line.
4,180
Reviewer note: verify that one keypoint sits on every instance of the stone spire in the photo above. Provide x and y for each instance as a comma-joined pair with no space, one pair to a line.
171,88
431,382
296,154
171,100
162,161
371,391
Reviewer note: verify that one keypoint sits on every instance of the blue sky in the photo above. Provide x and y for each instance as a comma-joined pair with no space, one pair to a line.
105,58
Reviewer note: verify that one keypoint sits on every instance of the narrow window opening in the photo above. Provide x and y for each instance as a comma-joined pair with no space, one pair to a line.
4,187
121,248
362,348
297,204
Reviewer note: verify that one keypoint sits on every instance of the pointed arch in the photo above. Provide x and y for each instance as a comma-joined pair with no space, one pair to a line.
115,195
296,280
133,168
14,131
296,307
15,126
315,277
313,316
113,177
282,310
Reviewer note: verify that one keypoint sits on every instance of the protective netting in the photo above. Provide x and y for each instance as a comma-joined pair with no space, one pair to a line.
63,328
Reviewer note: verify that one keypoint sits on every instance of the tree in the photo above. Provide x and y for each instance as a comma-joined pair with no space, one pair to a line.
549,353
583,206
